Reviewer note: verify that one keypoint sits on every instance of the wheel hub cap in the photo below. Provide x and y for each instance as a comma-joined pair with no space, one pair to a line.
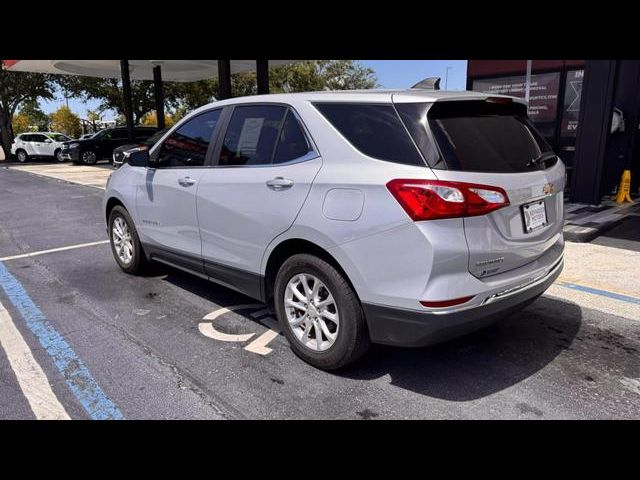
311,312
122,240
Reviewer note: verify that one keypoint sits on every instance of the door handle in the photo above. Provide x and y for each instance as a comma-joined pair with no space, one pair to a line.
279,183
186,181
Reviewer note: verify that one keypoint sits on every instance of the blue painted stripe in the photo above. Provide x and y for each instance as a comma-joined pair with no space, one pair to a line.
604,293
76,374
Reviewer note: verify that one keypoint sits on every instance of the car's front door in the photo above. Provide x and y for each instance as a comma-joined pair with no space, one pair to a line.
166,202
262,173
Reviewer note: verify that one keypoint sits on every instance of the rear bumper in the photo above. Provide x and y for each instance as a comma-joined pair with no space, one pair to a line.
412,328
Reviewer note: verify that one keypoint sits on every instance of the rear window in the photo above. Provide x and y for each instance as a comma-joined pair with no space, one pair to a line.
374,130
477,136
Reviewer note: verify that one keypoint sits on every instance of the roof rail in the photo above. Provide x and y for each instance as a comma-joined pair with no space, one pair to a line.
431,83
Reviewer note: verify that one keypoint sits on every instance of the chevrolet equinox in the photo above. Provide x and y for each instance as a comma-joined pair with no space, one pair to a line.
402,217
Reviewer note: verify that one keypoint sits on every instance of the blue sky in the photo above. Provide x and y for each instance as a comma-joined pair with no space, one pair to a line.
390,73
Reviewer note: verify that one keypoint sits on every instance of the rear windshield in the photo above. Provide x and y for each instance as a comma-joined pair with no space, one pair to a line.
476,136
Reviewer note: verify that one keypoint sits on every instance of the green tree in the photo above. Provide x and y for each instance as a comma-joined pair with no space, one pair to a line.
31,109
65,121
309,75
109,92
15,89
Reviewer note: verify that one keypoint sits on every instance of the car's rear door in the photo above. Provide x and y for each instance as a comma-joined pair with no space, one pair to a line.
263,169
491,142
37,145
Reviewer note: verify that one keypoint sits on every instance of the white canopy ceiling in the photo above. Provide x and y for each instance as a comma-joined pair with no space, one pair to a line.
172,70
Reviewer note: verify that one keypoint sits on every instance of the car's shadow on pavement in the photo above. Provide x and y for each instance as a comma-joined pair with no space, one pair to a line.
481,363
463,369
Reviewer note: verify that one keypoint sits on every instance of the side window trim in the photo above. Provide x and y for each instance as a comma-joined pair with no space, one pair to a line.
155,151
313,149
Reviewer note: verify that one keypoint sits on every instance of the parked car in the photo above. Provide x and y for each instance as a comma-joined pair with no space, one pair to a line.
38,144
102,144
121,153
397,217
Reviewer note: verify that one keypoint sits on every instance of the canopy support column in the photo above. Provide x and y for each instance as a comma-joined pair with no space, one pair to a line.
159,94
224,79
262,76
126,97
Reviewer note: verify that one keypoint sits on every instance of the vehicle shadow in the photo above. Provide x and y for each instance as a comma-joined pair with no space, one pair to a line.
482,363
467,368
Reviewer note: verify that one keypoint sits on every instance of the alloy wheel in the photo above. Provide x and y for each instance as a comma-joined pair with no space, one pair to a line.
311,311
89,157
122,240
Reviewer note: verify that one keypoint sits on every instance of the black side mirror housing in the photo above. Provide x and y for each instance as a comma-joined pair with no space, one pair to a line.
137,157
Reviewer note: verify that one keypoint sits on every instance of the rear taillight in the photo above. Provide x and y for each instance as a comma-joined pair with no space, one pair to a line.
434,199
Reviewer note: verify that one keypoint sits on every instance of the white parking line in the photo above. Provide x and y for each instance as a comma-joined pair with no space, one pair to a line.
31,377
53,250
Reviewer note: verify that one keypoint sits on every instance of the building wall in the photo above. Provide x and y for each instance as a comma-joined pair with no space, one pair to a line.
554,105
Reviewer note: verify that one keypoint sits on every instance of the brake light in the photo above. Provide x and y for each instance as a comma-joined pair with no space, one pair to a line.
437,199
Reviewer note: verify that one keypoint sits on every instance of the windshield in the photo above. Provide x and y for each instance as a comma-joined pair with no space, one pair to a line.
478,136
152,140
100,134
58,137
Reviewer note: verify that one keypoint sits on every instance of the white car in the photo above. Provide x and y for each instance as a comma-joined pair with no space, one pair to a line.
38,144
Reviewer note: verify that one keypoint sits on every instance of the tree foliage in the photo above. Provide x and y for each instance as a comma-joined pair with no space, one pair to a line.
65,121
15,89
151,119
20,123
108,91
37,118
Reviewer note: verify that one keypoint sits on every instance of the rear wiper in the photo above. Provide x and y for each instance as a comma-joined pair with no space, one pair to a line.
541,158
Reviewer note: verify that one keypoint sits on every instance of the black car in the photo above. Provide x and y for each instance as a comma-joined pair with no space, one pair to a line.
102,144
119,153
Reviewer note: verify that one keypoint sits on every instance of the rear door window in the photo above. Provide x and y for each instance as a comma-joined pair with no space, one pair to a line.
373,129
478,136
252,135
292,143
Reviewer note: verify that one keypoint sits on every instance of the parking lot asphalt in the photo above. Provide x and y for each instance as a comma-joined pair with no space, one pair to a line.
118,346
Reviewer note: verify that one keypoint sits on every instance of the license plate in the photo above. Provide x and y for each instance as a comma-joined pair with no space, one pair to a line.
535,216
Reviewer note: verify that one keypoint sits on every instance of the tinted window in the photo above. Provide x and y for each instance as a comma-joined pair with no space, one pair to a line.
292,143
25,138
118,134
375,130
38,138
252,135
484,137
143,132
187,146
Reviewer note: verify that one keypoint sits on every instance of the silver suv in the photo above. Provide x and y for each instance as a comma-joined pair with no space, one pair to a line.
397,217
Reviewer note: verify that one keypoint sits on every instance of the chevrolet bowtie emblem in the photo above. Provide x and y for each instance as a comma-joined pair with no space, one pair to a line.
547,189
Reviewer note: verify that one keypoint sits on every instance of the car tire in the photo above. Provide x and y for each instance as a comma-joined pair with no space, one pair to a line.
22,156
58,155
351,339
136,263
89,157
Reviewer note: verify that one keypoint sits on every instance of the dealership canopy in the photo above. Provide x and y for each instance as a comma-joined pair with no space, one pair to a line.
156,70
172,70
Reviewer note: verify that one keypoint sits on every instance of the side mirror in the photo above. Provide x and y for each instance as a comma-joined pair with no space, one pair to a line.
48,140
138,157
